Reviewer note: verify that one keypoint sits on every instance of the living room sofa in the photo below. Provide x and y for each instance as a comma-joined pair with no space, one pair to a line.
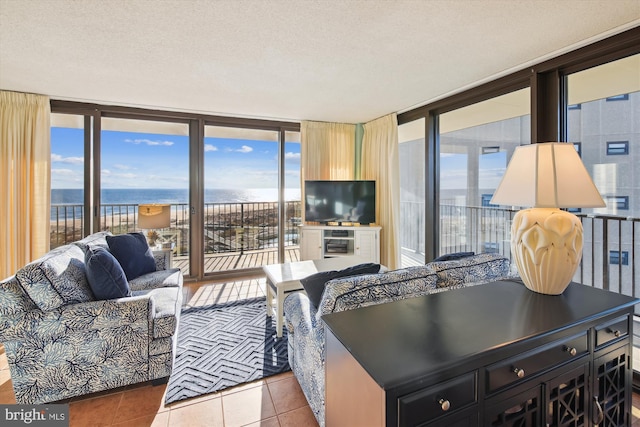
306,334
62,342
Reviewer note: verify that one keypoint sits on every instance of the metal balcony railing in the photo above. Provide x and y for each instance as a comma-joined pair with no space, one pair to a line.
611,243
228,227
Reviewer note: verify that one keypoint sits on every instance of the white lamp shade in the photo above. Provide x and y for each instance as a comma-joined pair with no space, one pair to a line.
152,216
547,175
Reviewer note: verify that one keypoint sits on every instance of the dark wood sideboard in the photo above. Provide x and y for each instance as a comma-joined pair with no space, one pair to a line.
487,355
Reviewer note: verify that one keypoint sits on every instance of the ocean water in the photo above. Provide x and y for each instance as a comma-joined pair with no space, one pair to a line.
112,196
130,196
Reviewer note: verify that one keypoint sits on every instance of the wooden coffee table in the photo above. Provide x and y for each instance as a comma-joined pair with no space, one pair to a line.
283,278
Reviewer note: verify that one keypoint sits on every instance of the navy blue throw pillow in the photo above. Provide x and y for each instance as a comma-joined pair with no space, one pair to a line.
133,253
105,275
314,284
454,256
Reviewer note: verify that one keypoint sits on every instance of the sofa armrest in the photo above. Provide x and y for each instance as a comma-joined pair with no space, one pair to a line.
300,314
89,316
360,291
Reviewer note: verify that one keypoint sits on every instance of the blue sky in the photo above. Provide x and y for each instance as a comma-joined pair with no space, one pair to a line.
453,170
140,160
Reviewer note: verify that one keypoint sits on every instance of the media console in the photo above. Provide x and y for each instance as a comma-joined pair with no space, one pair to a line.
323,241
486,355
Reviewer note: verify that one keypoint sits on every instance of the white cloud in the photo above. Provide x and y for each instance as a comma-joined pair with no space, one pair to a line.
64,172
149,142
292,156
57,158
209,147
122,167
245,149
126,175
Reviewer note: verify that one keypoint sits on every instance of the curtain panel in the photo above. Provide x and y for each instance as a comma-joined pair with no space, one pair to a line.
25,179
327,151
380,161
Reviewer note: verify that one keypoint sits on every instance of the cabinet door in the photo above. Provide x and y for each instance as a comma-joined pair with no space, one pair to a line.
567,398
612,389
366,245
523,409
311,244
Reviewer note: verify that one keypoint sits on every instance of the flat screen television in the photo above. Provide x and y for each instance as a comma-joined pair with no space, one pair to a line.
340,201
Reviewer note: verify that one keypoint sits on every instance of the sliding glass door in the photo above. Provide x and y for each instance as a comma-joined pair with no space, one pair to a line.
146,162
242,226
476,144
411,149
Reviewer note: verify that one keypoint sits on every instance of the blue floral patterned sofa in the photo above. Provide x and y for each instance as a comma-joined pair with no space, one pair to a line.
61,342
306,329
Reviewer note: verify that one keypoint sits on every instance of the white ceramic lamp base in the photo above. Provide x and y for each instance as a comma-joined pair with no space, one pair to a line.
546,244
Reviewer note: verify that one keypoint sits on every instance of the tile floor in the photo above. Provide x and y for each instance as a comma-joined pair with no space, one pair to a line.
271,402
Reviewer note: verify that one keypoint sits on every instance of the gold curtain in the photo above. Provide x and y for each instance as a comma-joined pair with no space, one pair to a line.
327,150
380,161
25,179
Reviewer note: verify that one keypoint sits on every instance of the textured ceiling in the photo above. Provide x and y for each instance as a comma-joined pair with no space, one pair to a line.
344,61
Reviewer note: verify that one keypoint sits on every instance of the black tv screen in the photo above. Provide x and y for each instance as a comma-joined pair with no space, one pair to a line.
340,201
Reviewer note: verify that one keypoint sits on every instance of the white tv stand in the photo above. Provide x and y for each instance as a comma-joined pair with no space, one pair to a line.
327,241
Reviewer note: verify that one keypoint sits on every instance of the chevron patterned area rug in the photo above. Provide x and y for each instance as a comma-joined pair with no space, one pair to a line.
223,345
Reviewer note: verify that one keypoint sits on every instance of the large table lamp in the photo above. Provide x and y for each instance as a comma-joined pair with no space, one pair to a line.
546,242
152,217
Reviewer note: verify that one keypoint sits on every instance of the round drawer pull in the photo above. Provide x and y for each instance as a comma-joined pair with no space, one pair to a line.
519,372
444,404
616,333
571,350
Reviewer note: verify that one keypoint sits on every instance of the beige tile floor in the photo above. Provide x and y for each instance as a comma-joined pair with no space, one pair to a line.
271,402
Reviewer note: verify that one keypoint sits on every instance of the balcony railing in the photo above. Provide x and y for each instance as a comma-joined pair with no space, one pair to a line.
611,243
609,261
228,227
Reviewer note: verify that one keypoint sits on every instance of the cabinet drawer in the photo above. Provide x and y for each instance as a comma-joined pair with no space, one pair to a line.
611,331
441,399
528,364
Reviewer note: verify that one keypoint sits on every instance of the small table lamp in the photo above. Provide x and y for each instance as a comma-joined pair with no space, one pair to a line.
153,216
546,242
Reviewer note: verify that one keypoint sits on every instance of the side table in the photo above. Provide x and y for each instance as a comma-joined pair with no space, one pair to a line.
284,278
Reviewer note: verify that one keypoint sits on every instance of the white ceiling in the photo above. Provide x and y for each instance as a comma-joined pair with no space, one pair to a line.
344,61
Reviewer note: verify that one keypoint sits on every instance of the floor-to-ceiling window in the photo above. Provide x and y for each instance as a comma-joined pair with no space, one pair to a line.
67,178
241,180
476,143
292,194
146,162
603,122
411,151
241,198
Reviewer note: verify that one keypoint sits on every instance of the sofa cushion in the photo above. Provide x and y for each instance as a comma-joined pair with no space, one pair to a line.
157,279
56,279
474,269
105,275
314,284
133,253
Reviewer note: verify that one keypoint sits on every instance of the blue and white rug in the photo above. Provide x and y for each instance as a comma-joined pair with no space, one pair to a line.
223,345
